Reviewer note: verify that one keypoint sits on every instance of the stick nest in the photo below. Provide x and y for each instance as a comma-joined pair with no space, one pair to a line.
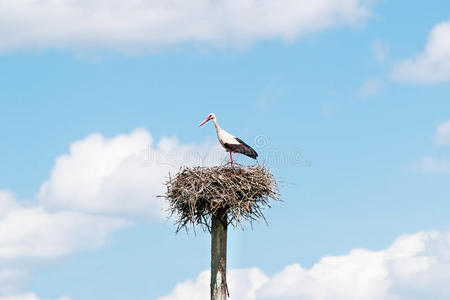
195,194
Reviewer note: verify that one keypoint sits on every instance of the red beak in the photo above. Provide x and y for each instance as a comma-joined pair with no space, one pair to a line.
207,119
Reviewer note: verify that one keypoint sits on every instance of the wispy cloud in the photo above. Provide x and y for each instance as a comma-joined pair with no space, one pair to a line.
370,88
271,94
435,165
140,25
329,109
379,50
431,66
442,135
430,164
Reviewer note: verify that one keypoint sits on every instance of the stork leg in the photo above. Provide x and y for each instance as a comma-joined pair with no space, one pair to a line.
231,158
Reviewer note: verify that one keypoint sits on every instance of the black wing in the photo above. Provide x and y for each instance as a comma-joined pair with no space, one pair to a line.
242,148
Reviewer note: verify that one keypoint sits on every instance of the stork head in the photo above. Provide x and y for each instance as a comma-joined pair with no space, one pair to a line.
211,116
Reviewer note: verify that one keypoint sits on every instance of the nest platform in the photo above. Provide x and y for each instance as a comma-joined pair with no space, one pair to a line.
241,193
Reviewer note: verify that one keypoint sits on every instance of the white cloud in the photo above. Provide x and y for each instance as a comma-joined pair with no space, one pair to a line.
146,24
121,175
7,202
30,236
242,284
431,66
33,233
379,50
369,88
13,278
414,267
442,136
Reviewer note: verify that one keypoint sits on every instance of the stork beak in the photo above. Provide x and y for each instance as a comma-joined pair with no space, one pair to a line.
207,119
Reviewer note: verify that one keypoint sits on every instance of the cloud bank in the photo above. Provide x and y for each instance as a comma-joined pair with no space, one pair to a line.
120,176
431,66
31,236
414,267
242,282
148,24
100,186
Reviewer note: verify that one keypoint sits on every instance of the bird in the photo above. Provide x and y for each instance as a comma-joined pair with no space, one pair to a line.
231,143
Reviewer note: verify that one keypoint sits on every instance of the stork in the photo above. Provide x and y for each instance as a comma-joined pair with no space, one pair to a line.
231,143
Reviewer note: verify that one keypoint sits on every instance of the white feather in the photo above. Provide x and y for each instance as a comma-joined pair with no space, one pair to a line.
223,136
226,138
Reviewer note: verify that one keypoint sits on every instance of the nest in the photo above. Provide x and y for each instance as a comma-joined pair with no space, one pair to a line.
195,194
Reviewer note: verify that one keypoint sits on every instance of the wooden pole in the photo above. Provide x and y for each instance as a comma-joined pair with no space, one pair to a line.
219,224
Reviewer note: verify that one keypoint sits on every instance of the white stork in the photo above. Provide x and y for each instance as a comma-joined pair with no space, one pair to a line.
231,143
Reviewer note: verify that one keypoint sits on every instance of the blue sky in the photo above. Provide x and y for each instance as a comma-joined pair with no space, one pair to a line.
357,105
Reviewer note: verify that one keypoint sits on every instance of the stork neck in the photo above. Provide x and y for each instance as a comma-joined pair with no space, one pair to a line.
216,125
